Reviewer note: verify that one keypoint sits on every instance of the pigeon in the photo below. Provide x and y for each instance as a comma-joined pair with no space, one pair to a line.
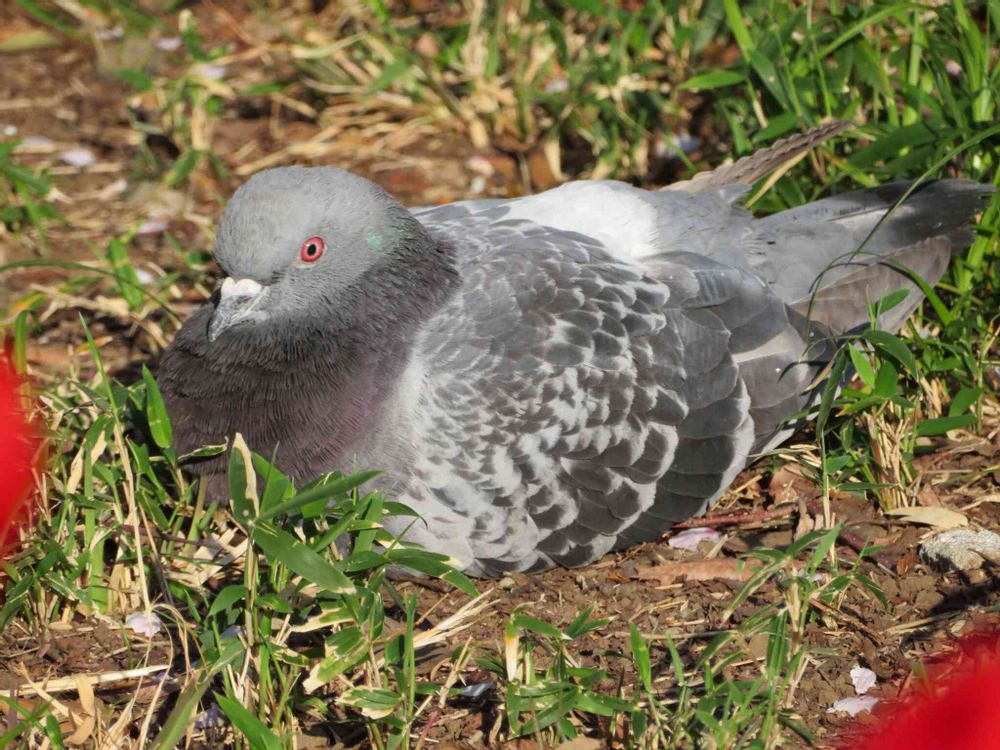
543,379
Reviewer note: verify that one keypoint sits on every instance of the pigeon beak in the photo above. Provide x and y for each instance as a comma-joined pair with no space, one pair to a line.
238,303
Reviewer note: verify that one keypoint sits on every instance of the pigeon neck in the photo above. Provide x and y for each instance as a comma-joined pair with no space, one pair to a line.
308,398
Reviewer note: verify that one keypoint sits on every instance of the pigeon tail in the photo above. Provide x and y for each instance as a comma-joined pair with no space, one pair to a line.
830,259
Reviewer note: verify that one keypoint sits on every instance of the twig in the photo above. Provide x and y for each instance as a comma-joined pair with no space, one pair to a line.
737,518
64,684
426,583
130,529
431,721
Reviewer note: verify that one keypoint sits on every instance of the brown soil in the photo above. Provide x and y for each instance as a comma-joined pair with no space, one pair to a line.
60,93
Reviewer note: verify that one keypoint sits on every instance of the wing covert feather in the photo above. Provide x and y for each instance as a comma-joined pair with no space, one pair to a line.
574,402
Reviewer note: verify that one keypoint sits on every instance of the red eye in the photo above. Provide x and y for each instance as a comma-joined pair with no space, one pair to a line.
312,249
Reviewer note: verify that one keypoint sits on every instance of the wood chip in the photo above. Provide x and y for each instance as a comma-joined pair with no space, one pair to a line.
724,568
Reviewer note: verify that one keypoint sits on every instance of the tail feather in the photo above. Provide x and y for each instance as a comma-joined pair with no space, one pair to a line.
843,306
841,250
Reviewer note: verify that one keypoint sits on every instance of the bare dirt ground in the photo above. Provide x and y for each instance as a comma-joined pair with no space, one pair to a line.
57,98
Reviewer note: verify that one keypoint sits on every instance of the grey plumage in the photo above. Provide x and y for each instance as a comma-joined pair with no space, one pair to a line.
543,379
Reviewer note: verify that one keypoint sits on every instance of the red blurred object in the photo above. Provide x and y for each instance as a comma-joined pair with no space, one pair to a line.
955,707
19,452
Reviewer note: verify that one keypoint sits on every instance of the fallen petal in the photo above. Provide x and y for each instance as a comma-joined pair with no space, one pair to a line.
853,706
210,717
106,35
863,680
556,85
112,190
153,226
168,43
36,141
78,157
476,689
143,624
209,71
689,539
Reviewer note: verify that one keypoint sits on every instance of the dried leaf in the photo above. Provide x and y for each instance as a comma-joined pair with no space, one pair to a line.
582,743
941,518
86,719
788,485
906,563
540,169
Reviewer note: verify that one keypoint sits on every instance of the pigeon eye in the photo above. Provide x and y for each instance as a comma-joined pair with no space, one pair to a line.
312,249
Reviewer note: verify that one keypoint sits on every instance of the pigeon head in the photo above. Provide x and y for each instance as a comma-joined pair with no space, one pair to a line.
296,243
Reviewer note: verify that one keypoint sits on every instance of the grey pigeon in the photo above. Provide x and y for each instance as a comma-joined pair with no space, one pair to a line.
543,379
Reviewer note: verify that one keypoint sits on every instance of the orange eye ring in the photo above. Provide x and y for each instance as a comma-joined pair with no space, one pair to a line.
312,249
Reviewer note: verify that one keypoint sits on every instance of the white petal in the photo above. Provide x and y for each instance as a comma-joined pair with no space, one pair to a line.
36,141
153,226
211,72
690,538
854,705
863,679
143,624
168,43
78,157
112,190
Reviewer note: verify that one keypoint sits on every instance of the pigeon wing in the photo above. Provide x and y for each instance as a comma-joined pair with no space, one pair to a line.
572,402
